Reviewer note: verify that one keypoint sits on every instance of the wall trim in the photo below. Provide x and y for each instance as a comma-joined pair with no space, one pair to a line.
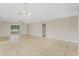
62,39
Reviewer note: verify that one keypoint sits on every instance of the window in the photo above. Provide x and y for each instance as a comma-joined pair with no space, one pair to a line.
14,29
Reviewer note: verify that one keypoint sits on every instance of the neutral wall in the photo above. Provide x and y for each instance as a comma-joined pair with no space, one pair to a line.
23,29
35,29
4,29
63,29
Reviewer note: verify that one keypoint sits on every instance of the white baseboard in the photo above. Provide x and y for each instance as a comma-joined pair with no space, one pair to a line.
62,39
57,38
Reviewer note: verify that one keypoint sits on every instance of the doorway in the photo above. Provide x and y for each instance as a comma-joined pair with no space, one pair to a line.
43,30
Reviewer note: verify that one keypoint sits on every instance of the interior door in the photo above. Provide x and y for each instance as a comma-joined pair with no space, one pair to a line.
43,30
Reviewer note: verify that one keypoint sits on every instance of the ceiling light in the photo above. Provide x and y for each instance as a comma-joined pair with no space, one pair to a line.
25,11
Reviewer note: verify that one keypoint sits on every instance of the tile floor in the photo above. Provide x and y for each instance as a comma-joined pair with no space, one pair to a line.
35,46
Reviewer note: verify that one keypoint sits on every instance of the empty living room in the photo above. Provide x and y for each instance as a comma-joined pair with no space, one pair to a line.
39,29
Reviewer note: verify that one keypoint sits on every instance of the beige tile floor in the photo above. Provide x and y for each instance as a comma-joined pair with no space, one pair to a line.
35,46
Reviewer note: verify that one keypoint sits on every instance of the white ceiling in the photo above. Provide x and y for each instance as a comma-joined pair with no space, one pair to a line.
39,11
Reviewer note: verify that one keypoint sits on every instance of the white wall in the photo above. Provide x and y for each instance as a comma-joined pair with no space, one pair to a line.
4,29
63,29
23,29
35,29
